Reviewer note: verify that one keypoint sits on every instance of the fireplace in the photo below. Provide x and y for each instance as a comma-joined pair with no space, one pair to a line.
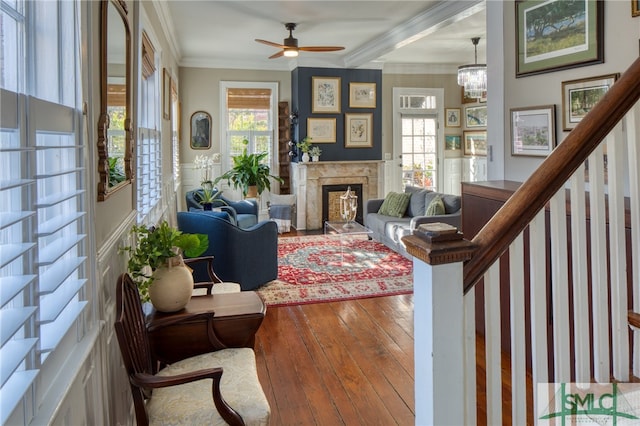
331,201
309,179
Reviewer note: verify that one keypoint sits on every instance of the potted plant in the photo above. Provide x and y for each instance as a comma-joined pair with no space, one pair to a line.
209,196
315,152
304,146
156,264
249,171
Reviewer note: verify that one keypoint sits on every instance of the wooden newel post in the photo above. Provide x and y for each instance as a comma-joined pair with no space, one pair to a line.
439,251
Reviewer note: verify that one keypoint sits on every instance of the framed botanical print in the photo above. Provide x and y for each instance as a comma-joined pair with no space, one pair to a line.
550,38
321,130
358,130
362,95
579,96
325,96
475,143
200,130
533,130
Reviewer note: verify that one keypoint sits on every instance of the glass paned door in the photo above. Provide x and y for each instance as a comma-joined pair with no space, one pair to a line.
419,151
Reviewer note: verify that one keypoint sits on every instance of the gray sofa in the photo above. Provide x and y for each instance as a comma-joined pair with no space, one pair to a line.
389,230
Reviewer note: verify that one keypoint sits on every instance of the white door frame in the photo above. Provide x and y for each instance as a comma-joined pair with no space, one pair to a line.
438,111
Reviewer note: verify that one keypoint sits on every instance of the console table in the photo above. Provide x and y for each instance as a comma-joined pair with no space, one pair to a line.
206,324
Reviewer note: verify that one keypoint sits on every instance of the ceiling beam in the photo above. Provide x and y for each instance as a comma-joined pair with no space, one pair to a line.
438,16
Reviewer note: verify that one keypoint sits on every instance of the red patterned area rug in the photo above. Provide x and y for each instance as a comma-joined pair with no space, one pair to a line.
323,268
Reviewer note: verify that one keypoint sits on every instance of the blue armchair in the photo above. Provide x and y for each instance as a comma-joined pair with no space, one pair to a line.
244,213
245,256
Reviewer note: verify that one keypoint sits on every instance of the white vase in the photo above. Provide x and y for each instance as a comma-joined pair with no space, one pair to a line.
172,286
305,157
315,158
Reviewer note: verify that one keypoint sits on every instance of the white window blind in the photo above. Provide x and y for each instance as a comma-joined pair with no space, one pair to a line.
42,196
149,146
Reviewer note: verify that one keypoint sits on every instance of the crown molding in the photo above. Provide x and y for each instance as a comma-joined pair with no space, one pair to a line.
164,16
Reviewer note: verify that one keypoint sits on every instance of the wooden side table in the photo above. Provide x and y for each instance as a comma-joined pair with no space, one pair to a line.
206,324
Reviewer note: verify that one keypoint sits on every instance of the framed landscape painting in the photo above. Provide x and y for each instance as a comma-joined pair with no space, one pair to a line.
475,116
533,130
555,35
452,142
475,143
579,96
325,95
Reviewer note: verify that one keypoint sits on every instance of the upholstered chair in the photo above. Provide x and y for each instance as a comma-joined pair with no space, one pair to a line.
216,388
245,256
244,213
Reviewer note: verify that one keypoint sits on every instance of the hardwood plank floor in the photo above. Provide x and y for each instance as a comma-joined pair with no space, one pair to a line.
339,363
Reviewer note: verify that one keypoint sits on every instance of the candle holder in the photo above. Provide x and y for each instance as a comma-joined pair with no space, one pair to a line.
348,208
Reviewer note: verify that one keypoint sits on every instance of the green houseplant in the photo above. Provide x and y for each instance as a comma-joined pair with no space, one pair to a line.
155,246
249,171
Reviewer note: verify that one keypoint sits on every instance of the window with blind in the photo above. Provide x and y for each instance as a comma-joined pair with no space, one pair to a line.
148,143
43,241
250,110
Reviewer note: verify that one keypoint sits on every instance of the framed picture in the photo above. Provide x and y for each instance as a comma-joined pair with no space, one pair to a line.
362,95
552,38
358,129
475,142
166,94
475,116
579,96
452,117
465,99
452,142
321,130
635,7
533,130
325,96
200,130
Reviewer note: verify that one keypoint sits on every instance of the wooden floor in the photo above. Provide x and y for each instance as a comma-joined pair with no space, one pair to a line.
339,363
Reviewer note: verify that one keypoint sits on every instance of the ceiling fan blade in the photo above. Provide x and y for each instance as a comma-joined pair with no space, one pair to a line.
277,55
321,48
270,43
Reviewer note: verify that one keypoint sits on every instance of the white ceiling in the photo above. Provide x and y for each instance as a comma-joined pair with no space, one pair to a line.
375,34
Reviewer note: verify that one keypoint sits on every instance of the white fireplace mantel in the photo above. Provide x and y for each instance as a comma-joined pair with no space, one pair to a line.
308,178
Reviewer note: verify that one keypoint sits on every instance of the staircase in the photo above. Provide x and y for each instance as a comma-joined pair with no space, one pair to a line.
559,246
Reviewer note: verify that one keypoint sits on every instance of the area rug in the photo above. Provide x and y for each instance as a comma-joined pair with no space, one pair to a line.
326,268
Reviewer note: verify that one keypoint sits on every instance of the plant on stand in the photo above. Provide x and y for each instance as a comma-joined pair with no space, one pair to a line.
249,173
315,152
156,264
304,146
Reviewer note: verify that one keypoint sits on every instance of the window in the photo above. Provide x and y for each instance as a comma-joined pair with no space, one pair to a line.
149,148
43,241
250,111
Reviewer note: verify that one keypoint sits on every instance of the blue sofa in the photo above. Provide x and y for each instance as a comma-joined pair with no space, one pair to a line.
243,213
248,257
389,230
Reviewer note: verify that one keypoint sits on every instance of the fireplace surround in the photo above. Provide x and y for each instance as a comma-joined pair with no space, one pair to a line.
308,180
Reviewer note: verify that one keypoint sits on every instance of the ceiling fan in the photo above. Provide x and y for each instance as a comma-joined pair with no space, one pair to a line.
290,47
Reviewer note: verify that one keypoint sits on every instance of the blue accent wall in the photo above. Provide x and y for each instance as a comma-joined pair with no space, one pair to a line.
301,103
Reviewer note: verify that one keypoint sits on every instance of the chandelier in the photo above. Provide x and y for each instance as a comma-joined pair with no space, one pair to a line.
473,77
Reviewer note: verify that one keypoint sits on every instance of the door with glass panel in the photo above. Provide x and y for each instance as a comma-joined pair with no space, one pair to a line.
418,139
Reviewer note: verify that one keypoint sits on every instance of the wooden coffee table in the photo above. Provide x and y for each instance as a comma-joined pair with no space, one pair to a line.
206,324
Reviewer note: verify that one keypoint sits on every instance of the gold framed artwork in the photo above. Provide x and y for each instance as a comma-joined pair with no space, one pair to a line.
452,117
635,7
325,95
579,96
475,143
200,130
321,130
475,116
362,95
358,129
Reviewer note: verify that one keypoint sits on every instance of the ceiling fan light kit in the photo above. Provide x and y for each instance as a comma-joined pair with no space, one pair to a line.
473,77
290,48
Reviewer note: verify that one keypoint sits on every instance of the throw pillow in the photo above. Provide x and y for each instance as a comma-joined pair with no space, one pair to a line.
394,204
435,207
